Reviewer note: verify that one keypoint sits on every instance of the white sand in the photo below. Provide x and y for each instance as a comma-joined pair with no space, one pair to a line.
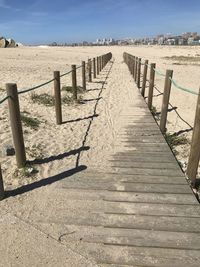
31,66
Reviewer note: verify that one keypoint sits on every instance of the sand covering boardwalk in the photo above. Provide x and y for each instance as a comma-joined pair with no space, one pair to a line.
134,208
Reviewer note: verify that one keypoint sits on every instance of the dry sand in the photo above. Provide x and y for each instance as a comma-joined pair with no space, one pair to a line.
29,66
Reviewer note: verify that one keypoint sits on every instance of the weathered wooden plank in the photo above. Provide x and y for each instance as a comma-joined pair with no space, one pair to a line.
156,172
157,257
116,196
142,132
145,143
143,238
140,121
144,165
142,197
127,187
119,265
124,221
98,177
162,223
148,147
140,139
151,188
131,153
140,159
153,179
154,209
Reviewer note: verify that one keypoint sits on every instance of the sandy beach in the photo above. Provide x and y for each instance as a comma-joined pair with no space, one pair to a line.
53,147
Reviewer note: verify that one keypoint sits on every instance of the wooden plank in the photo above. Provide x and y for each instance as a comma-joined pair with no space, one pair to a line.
150,222
141,139
144,238
142,132
117,177
153,179
153,209
140,121
128,187
148,155
124,221
116,196
143,143
141,171
138,158
136,238
144,165
143,197
151,188
157,257
140,148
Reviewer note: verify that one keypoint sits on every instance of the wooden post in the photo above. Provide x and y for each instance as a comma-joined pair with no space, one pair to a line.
90,70
139,73
193,162
128,62
74,82
100,64
151,85
135,76
57,95
125,57
94,68
165,103
83,76
144,77
106,59
97,65
133,67
1,186
130,65
16,125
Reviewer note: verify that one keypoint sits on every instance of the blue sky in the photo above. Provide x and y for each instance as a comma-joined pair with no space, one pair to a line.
44,21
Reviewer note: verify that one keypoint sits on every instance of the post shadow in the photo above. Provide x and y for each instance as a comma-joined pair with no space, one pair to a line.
46,181
78,168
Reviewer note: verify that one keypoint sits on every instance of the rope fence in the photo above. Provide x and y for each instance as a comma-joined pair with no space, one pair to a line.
158,72
94,66
134,64
4,99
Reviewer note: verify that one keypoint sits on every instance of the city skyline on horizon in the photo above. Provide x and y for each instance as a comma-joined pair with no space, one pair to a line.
41,21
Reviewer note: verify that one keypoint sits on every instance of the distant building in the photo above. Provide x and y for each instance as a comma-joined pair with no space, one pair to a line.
161,40
182,41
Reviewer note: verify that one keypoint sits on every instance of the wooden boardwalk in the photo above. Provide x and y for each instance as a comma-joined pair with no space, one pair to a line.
136,210
141,212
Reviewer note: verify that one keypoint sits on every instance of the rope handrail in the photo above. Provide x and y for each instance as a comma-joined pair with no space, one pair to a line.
188,90
35,87
3,99
43,84
64,74
174,109
40,85
159,72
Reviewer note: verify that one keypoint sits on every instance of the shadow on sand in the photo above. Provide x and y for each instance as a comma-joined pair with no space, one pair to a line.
78,167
